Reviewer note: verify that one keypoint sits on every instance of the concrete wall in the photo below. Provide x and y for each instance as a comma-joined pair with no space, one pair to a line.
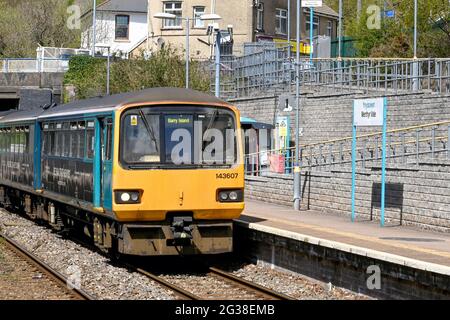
37,80
415,197
341,268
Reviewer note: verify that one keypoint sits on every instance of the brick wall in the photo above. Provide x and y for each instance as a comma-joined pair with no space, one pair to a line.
415,197
330,117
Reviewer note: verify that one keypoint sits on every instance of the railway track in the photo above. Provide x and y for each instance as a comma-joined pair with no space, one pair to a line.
185,292
51,274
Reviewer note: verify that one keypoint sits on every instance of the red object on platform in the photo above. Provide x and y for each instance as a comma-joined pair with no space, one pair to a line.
277,163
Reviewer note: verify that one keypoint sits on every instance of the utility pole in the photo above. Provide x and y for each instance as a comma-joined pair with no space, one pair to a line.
94,26
188,25
415,29
297,169
218,39
358,8
415,64
340,29
289,45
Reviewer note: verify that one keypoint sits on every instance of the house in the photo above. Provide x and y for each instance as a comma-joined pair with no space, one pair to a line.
121,25
251,21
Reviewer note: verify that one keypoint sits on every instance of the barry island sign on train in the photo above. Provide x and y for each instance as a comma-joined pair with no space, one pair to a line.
368,112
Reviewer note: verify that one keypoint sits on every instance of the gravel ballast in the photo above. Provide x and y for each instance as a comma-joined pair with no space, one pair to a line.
98,277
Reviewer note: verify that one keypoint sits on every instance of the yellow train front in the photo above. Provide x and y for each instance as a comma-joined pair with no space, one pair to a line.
154,172
178,177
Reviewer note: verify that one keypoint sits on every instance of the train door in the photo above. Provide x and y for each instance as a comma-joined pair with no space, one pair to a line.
106,137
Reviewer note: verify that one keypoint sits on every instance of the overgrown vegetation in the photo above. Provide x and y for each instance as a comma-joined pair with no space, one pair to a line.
395,37
25,24
165,68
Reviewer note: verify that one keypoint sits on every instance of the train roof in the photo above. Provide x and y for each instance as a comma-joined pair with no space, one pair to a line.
113,102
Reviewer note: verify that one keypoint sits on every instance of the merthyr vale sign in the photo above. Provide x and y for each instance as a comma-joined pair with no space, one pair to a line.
370,113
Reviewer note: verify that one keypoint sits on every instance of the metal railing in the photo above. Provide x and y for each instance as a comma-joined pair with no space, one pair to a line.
407,146
26,65
271,68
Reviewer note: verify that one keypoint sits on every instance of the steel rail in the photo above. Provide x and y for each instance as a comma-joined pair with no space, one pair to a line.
49,271
249,285
186,295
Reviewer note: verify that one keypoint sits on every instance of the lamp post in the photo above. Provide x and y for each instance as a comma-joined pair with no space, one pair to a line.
170,16
297,172
94,26
215,17
108,65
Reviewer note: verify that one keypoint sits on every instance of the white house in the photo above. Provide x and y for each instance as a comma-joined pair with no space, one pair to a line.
120,24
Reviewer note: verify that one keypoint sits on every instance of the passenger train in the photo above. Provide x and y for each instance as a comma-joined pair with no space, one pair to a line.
131,171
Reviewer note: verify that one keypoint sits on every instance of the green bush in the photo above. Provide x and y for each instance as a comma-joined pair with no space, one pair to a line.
164,69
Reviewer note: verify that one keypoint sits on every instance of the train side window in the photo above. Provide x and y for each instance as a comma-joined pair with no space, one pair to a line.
74,141
81,144
67,143
109,138
90,141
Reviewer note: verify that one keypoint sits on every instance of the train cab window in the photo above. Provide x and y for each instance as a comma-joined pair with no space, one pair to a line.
141,138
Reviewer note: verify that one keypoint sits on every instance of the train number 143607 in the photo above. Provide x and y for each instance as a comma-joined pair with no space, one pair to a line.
227,175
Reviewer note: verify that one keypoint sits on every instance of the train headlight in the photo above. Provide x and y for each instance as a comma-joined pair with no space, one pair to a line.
223,196
231,196
127,197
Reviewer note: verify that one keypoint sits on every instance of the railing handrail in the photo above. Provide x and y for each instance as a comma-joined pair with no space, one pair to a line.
334,141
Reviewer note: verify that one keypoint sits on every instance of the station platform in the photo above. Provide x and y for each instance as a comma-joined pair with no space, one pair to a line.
418,249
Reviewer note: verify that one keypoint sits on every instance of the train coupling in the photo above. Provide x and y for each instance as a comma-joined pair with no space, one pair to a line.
182,232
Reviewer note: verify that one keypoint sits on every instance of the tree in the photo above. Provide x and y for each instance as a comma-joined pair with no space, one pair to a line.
25,24
395,37
165,68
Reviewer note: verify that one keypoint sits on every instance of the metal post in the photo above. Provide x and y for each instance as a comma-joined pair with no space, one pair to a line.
383,165
289,44
94,26
340,29
297,169
188,20
448,143
417,146
415,63
108,68
358,8
218,65
353,172
415,29
311,32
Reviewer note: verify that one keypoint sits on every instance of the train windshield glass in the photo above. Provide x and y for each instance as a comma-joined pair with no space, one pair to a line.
201,137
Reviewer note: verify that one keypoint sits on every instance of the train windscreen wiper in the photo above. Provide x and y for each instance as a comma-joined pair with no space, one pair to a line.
149,129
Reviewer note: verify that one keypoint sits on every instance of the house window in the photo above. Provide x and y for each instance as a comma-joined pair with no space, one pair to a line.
198,12
315,25
176,9
122,26
260,17
330,29
281,21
